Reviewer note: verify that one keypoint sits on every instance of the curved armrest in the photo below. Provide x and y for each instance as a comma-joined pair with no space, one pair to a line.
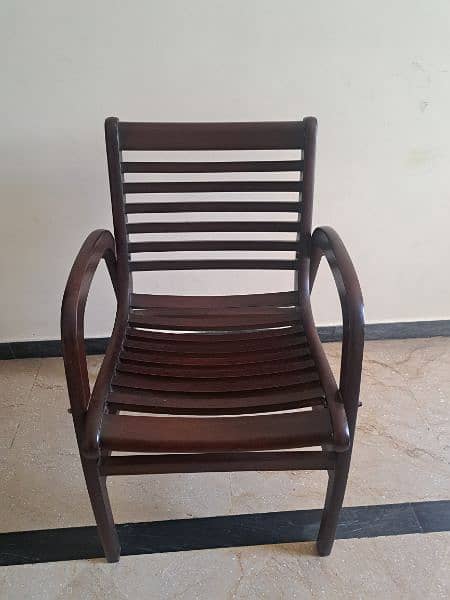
97,246
326,242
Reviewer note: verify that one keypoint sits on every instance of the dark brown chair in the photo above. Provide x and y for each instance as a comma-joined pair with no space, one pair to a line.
243,380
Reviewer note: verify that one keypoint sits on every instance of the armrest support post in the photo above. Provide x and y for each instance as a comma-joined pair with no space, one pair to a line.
326,242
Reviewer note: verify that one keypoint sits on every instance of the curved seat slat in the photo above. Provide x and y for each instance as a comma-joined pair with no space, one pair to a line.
216,434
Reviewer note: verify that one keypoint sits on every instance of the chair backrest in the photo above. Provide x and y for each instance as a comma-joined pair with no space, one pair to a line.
136,199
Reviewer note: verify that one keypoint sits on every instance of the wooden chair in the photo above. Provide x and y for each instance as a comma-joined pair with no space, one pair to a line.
243,380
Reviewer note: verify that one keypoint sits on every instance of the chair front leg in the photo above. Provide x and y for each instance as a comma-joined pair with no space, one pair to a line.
326,242
99,245
337,483
98,494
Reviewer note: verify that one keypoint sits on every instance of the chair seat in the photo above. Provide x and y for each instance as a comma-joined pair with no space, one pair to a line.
210,356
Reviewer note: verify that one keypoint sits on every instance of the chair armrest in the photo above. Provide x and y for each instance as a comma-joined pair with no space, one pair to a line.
97,246
326,242
87,408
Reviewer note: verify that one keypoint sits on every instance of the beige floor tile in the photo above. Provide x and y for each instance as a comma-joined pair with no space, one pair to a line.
404,567
47,490
402,449
16,382
9,426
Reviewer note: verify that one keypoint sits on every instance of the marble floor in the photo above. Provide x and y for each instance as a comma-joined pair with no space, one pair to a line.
402,454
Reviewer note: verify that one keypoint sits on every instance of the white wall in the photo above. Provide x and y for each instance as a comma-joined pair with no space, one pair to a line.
377,76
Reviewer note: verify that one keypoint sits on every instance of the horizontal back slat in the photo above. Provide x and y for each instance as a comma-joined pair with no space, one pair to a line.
206,245
211,136
260,166
189,265
249,319
216,302
179,207
229,226
180,187
221,342
230,311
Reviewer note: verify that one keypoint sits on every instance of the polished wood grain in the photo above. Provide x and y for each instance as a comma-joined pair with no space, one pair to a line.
213,376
